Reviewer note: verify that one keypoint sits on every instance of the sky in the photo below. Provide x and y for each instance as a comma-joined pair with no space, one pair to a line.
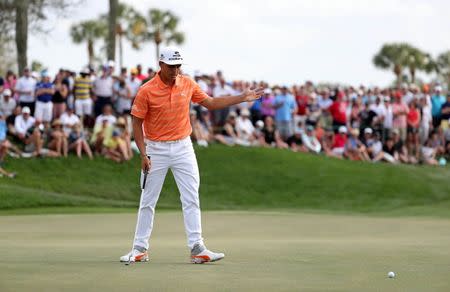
279,41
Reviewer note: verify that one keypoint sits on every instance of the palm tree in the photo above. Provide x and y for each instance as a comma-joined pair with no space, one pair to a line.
393,57
112,22
443,65
89,31
418,61
163,29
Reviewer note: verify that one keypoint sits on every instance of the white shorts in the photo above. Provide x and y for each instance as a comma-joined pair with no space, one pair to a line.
43,111
83,107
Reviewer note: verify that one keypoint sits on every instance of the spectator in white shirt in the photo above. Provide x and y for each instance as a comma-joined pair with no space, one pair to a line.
388,118
310,141
221,89
7,104
68,120
103,90
106,116
27,132
25,88
244,126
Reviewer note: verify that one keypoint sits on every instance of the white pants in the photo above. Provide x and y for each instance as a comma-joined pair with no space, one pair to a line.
83,107
44,111
180,158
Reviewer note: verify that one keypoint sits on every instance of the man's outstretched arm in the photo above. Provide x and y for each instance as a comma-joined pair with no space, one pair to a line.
226,101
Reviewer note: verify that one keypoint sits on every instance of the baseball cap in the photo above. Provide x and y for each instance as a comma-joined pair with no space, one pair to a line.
245,112
7,92
368,131
343,129
309,128
44,73
111,63
267,91
84,71
26,110
438,88
171,56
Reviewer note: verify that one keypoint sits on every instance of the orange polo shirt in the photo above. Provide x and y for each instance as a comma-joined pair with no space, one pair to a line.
165,109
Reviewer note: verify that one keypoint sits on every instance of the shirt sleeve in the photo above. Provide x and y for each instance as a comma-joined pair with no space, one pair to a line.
140,105
198,95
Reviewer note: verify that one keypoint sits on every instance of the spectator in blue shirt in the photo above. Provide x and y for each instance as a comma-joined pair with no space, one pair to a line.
44,94
284,105
437,100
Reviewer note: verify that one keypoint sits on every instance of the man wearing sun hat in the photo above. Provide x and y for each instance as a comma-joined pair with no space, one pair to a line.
162,132
7,103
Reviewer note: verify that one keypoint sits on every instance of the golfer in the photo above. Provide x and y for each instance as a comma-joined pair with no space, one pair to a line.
162,132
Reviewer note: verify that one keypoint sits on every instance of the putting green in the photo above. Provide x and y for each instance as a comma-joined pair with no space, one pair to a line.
264,252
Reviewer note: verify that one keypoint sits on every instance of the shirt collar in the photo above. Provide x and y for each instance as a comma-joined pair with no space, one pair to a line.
162,84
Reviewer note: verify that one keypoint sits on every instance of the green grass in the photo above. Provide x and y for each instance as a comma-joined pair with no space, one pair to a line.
235,178
265,251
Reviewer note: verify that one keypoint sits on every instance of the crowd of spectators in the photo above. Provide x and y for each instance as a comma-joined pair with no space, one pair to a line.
88,113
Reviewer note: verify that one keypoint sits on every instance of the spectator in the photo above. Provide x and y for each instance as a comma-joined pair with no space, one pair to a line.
102,133
115,148
229,135
338,112
413,121
44,93
58,139
106,116
314,110
389,150
221,89
354,148
10,82
11,119
412,148
267,104
338,143
379,109
429,154
124,135
198,132
245,128
285,107
270,136
302,100
445,113
426,121
7,103
68,120
400,112
125,98
27,133
25,88
139,75
60,96
400,151
310,141
437,100
103,91
295,142
82,94
78,142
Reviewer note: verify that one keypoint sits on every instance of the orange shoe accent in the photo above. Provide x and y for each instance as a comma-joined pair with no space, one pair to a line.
204,257
140,256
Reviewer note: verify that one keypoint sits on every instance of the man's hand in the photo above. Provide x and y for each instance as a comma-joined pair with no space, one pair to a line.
145,164
252,94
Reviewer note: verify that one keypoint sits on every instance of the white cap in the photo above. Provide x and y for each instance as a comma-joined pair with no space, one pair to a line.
7,92
197,73
368,131
267,91
111,63
343,129
85,70
259,124
26,110
438,88
171,56
245,112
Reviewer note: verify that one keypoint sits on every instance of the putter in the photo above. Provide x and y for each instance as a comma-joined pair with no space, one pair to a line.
145,177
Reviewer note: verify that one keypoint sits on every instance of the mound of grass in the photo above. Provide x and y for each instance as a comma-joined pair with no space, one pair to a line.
235,178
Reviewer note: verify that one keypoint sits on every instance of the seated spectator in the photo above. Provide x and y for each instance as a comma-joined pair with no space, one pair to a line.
7,103
78,142
199,134
229,135
245,128
27,133
100,135
389,150
413,148
354,148
339,141
437,141
58,139
68,120
400,151
11,119
295,141
115,148
310,141
107,116
375,149
4,146
270,135
429,154
124,134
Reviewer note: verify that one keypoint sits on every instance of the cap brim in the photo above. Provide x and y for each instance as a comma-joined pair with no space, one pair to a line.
174,62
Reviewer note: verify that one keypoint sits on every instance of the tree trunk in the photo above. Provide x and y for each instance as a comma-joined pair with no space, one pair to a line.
91,52
112,20
398,72
120,51
412,71
21,33
157,55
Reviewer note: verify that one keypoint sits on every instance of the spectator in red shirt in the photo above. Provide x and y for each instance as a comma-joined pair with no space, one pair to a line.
338,112
413,121
302,103
339,141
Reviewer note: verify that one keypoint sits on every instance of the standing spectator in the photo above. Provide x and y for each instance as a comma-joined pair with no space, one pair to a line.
437,100
379,109
221,89
7,103
103,91
302,100
426,121
324,101
266,104
78,142
285,106
388,118
125,98
59,99
44,94
68,120
413,121
338,112
310,141
10,82
314,111
400,112
25,88
445,113
139,75
134,83
82,93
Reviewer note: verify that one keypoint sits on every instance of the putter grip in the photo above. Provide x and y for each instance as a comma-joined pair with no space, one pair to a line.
144,181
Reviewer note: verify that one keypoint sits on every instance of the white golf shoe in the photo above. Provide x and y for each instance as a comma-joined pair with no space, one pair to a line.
135,256
200,255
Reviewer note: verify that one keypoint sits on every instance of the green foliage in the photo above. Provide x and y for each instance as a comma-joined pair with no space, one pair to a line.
233,178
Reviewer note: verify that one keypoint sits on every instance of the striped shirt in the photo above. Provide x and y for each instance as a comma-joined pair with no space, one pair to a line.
165,109
82,87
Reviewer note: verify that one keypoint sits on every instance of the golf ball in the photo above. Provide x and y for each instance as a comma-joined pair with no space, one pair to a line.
391,275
